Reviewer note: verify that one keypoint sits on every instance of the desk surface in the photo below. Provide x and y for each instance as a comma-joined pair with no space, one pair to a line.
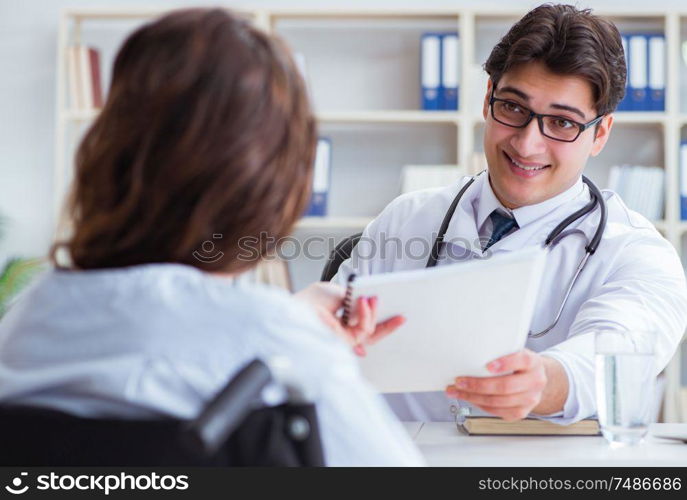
443,445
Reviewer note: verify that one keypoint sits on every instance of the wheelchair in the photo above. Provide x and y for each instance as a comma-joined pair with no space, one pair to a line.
232,430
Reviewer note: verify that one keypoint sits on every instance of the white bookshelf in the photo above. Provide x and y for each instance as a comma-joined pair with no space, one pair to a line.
621,118
402,116
352,223
375,135
389,117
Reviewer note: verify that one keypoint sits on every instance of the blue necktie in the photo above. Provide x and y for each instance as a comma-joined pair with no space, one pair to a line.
501,225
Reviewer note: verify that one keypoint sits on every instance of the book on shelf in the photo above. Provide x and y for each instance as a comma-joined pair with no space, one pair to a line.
439,71
417,177
320,184
450,62
683,180
641,188
645,57
623,105
657,73
302,65
430,70
494,426
638,72
84,75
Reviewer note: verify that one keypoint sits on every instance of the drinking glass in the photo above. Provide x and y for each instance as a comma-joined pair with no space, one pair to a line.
625,380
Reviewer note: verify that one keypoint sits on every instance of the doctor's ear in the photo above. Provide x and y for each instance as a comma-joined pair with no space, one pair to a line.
485,107
601,134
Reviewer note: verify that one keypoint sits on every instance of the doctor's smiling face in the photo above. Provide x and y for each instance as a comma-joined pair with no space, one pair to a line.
525,166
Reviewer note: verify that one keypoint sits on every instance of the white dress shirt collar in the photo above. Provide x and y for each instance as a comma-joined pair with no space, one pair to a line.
487,202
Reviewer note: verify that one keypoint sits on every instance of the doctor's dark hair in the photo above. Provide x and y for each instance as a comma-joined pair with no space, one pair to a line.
206,135
569,42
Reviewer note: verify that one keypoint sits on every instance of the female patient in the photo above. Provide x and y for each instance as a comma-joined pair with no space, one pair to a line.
206,135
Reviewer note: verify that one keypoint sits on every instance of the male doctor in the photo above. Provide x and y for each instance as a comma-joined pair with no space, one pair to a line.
555,80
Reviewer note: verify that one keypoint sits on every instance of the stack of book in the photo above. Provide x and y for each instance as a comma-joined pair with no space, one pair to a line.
641,188
645,56
271,271
274,271
418,177
439,63
477,163
85,87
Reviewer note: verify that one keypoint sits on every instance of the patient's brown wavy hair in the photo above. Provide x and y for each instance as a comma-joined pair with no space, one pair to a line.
206,131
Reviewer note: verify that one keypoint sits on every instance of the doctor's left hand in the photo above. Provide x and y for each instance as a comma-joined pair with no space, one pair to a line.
512,396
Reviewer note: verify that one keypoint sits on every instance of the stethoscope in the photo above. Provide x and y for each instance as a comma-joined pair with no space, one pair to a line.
596,200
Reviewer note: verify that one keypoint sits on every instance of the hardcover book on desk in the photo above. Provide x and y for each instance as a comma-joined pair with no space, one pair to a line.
494,426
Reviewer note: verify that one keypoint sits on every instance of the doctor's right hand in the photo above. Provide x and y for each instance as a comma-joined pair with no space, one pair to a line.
362,329
523,382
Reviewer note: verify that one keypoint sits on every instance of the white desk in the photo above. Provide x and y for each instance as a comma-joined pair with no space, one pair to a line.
443,445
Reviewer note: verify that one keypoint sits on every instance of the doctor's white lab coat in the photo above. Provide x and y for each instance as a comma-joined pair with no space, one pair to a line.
633,282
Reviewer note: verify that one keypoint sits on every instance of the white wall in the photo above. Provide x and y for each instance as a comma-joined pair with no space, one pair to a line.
28,34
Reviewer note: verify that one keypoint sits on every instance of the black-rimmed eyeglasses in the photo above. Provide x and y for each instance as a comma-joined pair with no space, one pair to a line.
554,127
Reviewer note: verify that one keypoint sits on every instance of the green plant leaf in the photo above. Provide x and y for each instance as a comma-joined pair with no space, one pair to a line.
15,276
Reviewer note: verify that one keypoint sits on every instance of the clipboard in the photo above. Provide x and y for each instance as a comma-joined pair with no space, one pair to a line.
459,317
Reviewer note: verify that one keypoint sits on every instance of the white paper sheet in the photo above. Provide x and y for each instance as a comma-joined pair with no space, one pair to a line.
458,318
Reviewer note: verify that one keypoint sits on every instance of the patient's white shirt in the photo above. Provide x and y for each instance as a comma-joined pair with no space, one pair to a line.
161,339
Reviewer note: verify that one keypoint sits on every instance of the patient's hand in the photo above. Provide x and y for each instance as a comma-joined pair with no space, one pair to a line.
363,329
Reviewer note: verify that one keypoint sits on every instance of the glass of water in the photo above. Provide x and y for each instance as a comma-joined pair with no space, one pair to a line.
625,380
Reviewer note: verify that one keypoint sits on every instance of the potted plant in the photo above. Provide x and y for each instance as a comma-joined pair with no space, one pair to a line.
16,273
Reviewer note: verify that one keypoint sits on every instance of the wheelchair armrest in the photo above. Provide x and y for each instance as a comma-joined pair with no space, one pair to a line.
227,411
